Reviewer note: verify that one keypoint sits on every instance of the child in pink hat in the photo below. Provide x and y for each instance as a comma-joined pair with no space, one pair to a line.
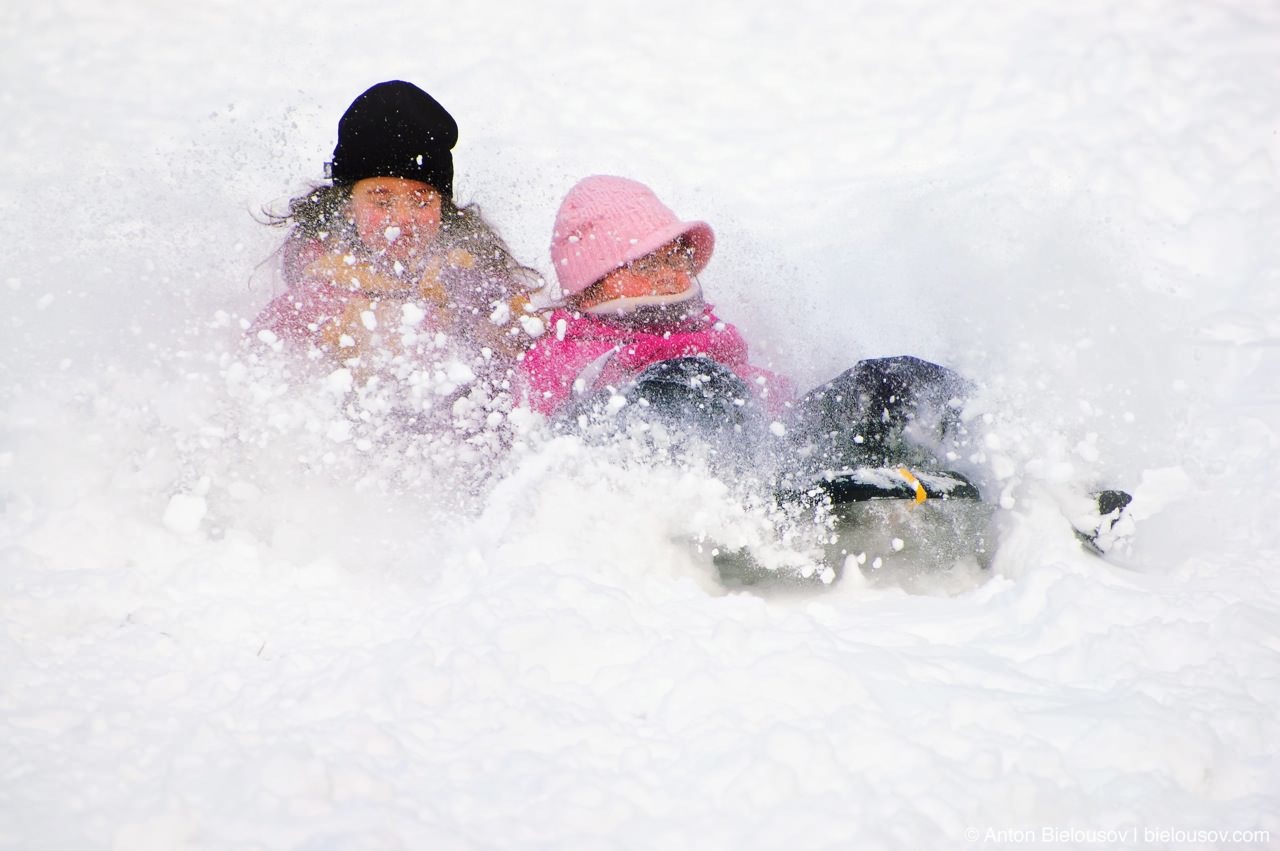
627,267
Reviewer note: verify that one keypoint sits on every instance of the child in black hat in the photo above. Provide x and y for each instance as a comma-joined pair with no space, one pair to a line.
382,259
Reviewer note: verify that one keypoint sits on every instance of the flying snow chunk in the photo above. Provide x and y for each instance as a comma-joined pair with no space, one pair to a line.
533,326
459,373
411,315
369,320
184,513
777,429
340,381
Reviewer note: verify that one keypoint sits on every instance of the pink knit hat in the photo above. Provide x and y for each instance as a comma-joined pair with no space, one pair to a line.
606,222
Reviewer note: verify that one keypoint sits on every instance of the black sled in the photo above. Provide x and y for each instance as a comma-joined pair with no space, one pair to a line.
883,521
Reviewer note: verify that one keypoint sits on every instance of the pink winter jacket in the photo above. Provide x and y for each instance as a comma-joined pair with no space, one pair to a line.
329,298
603,353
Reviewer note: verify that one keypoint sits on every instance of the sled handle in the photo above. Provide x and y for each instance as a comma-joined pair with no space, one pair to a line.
921,496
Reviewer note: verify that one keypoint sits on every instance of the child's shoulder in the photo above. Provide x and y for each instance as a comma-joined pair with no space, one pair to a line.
565,326
298,253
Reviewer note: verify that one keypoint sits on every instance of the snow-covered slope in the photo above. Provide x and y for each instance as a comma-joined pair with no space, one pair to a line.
233,617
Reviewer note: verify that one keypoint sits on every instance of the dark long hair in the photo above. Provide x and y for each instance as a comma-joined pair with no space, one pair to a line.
322,215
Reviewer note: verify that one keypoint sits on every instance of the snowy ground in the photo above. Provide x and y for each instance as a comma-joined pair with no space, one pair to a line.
225,625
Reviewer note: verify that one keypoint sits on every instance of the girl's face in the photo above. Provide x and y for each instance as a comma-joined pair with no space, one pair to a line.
667,271
395,217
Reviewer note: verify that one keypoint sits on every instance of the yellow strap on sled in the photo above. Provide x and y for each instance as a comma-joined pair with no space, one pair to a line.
921,496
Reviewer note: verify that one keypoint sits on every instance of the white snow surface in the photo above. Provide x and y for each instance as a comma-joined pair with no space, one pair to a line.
237,612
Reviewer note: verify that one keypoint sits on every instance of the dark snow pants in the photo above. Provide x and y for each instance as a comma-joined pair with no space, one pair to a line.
882,412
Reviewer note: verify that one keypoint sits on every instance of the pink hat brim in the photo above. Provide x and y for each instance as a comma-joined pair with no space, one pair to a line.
700,235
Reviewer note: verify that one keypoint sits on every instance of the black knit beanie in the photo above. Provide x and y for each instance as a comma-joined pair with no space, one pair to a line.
395,129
